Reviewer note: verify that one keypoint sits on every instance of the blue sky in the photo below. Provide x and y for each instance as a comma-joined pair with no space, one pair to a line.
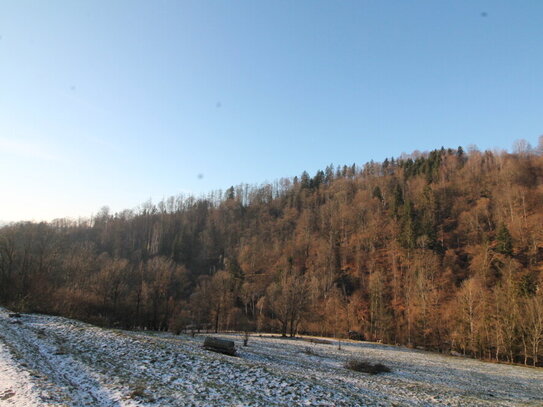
115,102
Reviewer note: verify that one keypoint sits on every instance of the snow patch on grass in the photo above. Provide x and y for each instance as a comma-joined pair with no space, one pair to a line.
54,360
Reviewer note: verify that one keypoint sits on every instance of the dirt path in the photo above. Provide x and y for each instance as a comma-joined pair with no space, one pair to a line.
55,376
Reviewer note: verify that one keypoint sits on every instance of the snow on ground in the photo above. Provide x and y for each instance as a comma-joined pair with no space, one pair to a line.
48,360
16,388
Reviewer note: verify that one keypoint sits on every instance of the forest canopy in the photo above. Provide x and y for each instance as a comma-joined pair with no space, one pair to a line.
441,250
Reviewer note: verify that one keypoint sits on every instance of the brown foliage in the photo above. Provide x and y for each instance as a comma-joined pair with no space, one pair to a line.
442,250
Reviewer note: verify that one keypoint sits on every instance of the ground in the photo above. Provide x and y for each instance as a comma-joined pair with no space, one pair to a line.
46,361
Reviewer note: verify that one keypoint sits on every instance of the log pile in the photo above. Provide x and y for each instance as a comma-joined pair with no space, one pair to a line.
220,345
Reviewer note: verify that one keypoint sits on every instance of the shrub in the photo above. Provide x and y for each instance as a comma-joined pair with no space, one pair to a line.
138,392
360,365
246,338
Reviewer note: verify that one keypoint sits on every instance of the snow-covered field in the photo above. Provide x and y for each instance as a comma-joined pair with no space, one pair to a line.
47,360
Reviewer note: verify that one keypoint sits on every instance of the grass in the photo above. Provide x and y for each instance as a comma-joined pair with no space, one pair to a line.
364,366
308,351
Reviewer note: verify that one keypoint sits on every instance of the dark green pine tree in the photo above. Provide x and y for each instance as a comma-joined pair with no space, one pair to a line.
397,200
504,241
305,180
377,193
230,193
408,233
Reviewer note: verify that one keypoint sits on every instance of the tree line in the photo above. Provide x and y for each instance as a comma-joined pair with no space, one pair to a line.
440,250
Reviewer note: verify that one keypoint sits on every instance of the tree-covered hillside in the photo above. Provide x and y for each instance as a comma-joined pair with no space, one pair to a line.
442,250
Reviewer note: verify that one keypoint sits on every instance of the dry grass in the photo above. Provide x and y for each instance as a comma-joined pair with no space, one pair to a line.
138,392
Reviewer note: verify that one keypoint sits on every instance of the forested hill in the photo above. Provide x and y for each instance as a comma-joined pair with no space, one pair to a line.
442,250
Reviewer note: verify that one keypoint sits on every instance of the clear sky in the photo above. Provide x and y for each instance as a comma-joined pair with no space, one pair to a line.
115,102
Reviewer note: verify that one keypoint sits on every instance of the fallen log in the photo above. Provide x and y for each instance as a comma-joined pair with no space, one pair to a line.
220,345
